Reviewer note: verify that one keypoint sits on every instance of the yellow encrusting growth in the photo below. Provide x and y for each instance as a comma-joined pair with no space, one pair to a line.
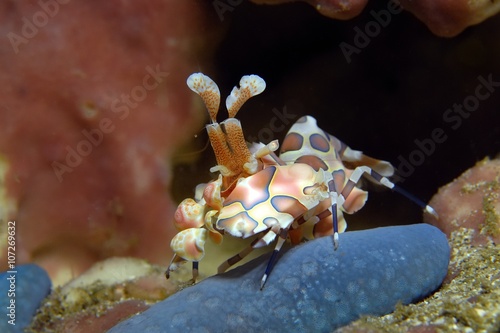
467,303
491,224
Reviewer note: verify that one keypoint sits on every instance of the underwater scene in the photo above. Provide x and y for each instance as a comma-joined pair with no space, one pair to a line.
250,166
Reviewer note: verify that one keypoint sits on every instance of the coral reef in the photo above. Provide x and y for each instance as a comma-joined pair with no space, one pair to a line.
467,302
85,158
471,201
98,299
91,111
337,9
449,18
312,288
22,293
469,299
444,18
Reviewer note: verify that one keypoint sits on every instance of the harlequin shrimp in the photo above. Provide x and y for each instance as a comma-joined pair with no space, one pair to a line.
312,182
235,161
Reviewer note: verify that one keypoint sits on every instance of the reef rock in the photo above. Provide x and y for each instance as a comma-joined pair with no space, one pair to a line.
93,105
337,9
444,18
312,287
471,201
468,300
449,18
97,300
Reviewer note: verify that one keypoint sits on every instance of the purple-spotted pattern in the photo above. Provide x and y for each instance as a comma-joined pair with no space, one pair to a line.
302,193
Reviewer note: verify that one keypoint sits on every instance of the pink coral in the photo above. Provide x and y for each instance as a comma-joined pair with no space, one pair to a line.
337,9
446,18
471,201
93,104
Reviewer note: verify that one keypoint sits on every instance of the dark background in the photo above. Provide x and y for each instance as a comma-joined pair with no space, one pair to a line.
393,92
